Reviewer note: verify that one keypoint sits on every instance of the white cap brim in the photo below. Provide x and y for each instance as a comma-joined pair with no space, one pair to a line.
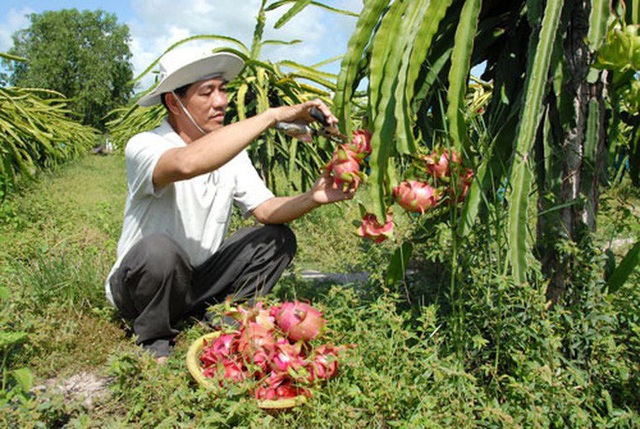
222,64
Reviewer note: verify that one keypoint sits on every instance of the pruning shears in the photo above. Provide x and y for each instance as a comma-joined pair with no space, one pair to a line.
306,132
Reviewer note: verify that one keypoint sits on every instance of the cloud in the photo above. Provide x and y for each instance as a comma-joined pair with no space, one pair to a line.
14,21
155,25
160,23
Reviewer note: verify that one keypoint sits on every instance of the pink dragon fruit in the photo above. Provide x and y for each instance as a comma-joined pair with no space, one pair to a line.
460,188
440,165
253,337
271,349
344,167
372,229
233,370
287,357
300,321
361,143
414,196
222,347
325,362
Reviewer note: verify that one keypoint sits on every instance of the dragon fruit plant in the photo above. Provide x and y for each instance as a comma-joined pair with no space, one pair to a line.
273,348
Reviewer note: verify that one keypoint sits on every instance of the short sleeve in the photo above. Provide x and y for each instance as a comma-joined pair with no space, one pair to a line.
142,154
250,189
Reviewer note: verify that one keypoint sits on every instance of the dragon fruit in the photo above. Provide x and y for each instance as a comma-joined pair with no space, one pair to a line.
325,362
271,350
460,188
287,357
440,165
372,229
300,321
255,336
344,167
361,143
414,196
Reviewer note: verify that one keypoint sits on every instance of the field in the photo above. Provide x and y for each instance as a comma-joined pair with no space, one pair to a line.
488,353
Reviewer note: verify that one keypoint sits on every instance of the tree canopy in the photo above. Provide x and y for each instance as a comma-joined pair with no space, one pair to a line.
83,55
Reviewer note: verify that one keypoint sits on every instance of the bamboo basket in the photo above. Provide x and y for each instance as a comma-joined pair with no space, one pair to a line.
193,365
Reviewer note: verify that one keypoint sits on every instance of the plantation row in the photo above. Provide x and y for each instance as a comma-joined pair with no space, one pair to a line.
496,219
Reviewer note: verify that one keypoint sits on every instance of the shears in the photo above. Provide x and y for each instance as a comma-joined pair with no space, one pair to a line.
306,132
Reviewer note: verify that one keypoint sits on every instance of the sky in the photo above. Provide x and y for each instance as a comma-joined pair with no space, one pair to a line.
154,25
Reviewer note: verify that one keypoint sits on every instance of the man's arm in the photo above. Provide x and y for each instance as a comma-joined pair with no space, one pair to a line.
218,147
278,210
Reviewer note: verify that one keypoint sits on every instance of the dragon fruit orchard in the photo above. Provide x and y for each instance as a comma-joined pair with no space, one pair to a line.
275,349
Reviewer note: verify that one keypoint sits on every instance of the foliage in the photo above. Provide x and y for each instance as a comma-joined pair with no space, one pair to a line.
83,55
541,140
445,337
485,351
36,134
261,85
619,55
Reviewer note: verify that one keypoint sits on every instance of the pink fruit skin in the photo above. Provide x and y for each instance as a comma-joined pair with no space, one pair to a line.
300,321
325,363
459,193
439,166
371,228
361,142
344,167
414,196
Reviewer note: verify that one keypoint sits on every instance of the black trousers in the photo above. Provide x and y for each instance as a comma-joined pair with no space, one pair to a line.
156,286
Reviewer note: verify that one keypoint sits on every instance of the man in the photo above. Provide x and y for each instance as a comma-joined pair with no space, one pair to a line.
182,178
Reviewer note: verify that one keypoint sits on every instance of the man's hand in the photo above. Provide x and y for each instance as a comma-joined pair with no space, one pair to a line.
302,113
324,191
285,209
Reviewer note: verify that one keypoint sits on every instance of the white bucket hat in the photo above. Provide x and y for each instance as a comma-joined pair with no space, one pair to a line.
184,66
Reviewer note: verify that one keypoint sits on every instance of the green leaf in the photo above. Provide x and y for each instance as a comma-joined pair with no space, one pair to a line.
398,263
459,72
24,378
622,272
8,339
521,174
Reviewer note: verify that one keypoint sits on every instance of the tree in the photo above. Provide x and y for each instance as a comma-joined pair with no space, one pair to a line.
83,55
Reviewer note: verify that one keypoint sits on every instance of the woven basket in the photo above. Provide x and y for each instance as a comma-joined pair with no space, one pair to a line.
193,365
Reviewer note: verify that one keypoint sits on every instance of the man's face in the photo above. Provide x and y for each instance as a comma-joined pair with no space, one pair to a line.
207,101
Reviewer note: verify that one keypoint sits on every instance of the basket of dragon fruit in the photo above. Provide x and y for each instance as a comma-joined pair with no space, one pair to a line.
275,348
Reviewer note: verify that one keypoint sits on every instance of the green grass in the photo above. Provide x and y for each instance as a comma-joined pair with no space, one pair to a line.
429,352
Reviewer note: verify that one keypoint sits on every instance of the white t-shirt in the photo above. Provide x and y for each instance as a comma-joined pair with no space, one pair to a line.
193,212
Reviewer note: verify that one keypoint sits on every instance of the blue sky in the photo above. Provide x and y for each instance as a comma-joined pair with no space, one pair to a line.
156,24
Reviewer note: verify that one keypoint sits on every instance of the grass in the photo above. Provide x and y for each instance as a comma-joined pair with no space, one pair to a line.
498,357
